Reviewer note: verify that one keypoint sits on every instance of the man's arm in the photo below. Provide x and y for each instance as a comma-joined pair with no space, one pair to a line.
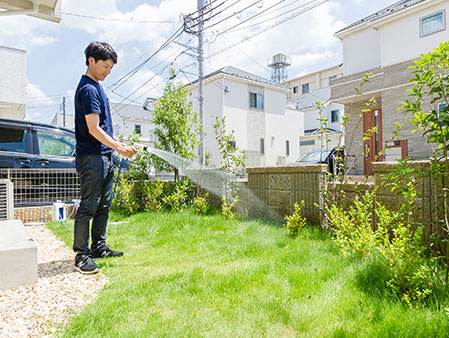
93,124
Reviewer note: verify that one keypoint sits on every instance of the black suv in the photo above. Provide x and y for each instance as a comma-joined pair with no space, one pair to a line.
25,144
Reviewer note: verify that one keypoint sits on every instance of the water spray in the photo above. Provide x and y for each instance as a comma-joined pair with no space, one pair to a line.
215,181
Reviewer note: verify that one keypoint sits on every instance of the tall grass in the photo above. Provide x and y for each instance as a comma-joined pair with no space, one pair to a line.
185,275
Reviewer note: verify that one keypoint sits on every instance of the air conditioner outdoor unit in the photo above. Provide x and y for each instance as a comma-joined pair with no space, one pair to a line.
6,200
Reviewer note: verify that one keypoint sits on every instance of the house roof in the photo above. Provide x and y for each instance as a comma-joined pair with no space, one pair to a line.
315,131
229,70
392,9
130,111
310,100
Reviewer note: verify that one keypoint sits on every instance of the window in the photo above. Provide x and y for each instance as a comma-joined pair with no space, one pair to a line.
256,100
295,90
55,144
138,129
331,79
307,143
433,23
13,139
287,147
262,146
334,115
305,88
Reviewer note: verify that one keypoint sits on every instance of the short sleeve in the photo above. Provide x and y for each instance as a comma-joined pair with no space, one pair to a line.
89,100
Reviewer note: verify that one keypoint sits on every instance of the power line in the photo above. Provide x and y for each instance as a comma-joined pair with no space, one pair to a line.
252,59
117,20
294,15
151,78
212,16
266,20
254,16
234,14
126,77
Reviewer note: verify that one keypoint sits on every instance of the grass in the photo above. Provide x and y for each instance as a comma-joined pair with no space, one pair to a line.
185,275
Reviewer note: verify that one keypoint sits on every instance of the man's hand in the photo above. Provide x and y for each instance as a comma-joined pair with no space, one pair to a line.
127,151
93,121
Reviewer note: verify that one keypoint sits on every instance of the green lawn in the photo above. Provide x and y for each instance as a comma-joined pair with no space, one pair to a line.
185,275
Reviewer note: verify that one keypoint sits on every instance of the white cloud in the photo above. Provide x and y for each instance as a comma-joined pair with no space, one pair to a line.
309,34
311,59
37,95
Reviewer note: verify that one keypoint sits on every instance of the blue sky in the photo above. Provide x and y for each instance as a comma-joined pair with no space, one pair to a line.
55,59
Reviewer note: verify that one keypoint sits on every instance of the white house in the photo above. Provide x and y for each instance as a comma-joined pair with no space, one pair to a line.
386,44
126,119
304,93
256,113
12,83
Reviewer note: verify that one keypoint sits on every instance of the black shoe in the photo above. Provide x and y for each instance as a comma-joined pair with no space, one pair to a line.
105,252
85,264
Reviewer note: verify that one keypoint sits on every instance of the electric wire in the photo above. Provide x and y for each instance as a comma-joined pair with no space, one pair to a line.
234,14
294,15
232,29
254,16
117,20
126,77
224,9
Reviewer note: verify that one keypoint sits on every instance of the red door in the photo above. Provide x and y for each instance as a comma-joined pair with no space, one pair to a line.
372,132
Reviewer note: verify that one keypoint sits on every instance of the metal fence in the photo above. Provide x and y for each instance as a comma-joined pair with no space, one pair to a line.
34,187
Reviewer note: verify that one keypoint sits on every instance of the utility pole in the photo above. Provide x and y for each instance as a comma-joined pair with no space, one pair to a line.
194,25
200,6
63,111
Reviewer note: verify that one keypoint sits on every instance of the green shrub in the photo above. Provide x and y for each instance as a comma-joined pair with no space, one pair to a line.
153,192
124,197
200,204
226,207
353,228
177,200
296,221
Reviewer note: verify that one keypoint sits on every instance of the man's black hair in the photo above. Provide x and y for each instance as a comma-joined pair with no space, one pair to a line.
100,51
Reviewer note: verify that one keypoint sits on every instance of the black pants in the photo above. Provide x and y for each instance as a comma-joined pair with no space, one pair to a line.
96,173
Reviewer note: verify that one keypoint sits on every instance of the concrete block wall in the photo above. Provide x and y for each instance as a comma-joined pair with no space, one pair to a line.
429,203
274,191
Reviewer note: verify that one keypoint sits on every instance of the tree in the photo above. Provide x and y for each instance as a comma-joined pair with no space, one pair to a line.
177,126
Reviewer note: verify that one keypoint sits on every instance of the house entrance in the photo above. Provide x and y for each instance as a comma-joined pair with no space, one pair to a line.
372,131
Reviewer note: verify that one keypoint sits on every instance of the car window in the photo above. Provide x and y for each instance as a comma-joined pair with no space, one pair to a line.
315,156
13,139
55,144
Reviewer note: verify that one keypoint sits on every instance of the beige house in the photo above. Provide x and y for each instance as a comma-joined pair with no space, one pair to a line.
386,43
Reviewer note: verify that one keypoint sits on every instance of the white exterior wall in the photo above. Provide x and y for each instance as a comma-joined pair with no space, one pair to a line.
247,124
391,40
401,41
311,116
12,83
279,129
361,51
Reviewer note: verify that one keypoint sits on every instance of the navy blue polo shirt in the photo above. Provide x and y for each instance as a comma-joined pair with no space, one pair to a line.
90,98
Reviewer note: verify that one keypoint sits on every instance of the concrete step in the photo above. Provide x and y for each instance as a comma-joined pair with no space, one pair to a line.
18,256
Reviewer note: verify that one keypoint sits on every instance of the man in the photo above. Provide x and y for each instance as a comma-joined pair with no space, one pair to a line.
94,147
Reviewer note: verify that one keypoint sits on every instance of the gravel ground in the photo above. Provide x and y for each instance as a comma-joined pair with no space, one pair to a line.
40,309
